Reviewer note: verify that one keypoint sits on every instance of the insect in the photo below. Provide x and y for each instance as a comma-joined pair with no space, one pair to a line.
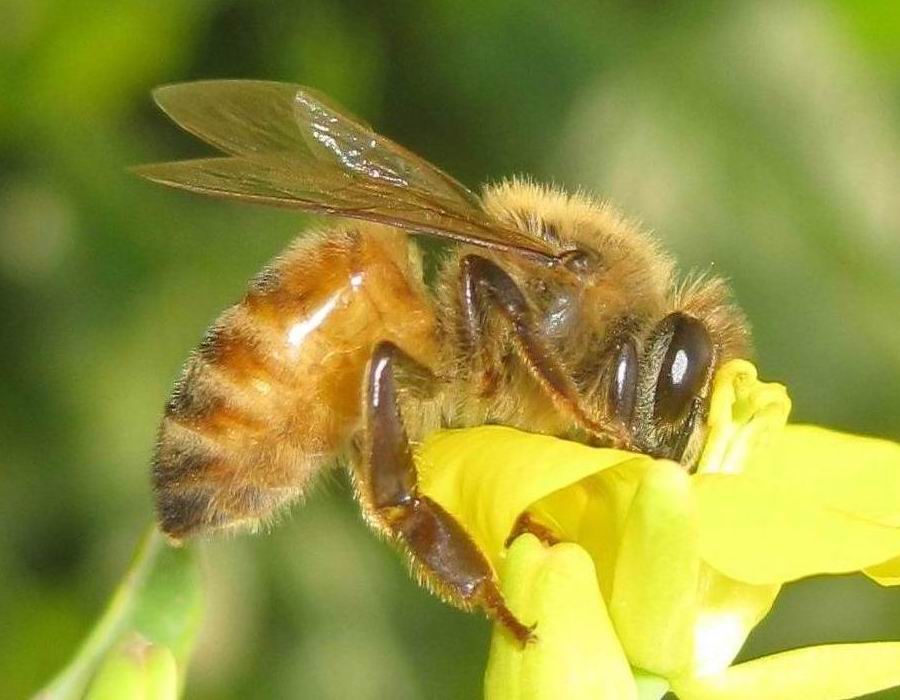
552,313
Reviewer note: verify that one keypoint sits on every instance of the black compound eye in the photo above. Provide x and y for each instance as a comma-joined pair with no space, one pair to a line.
685,367
623,382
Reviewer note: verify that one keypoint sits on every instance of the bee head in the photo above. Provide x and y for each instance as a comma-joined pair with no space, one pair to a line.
669,384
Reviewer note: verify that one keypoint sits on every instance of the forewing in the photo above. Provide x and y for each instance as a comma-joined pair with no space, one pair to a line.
294,147
324,187
239,117
251,117
333,134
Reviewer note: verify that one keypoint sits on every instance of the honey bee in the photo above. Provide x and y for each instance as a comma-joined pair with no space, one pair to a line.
552,314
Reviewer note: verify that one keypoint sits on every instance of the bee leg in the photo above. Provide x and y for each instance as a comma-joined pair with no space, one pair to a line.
527,524
485,286
439,546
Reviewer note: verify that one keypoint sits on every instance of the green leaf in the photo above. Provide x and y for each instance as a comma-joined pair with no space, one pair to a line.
159,598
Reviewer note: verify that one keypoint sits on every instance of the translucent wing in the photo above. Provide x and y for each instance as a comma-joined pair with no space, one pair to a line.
240,117
281,179
358,148
245,117
294,147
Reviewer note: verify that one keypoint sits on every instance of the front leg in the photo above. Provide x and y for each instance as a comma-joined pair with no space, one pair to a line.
485,287
441,550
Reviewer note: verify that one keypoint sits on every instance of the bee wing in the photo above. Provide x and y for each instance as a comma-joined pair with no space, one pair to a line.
293,147
282,179
330,133
248,117
239,117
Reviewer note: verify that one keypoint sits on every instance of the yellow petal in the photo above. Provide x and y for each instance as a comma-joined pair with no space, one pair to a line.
831,672
650,687
729,610
758,531
593,513
887,573
577,655
654,600
488,476
744,414
853,474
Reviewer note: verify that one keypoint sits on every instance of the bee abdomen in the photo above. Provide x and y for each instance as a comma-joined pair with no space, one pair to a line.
273,393
217,461
206,476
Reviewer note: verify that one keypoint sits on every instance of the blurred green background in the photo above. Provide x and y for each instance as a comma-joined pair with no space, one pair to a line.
761,139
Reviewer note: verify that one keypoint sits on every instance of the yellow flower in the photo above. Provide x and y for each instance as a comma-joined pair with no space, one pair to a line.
666,572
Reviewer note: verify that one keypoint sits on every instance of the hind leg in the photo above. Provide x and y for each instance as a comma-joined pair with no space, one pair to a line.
440,548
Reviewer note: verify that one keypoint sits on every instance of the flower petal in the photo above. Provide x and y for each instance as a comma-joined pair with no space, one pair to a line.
831,672
593,513
488,476
854,474
744,413
576,654
650,687
654,599
887,573
729,610
758,531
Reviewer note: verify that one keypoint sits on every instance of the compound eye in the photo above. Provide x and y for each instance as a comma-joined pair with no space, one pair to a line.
685,367
623,382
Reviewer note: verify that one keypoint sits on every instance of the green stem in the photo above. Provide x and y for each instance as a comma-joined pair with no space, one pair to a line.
71,682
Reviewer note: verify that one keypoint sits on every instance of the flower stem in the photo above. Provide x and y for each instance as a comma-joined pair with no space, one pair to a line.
70,683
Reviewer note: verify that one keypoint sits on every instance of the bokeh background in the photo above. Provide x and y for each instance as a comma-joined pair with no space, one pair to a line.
760,139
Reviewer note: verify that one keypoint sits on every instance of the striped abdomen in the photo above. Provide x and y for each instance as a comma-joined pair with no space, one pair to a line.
273,393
